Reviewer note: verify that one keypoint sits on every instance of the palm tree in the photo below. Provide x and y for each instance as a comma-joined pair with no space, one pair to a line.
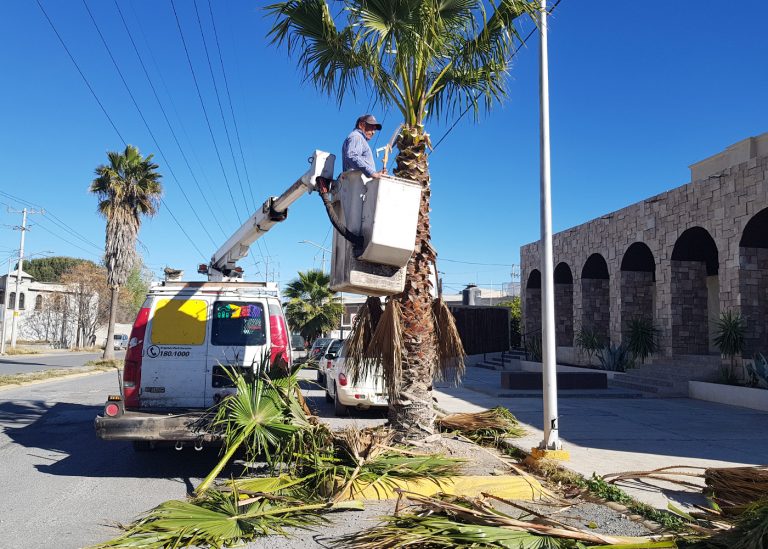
128,187
427,59
312,309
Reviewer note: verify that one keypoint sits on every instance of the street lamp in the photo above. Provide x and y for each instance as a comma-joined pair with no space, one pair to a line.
316,245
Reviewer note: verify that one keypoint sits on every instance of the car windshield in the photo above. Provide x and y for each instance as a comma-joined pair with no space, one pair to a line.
118,336
297,342
320,344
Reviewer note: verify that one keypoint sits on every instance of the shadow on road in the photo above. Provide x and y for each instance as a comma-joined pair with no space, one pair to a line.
64,434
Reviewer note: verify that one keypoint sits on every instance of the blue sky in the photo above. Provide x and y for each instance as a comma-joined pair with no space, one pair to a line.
639,91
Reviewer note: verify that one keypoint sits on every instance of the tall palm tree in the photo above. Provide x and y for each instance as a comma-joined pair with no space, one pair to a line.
312,309
427,59
128,187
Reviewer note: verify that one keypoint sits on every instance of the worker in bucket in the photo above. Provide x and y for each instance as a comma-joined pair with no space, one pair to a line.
356,153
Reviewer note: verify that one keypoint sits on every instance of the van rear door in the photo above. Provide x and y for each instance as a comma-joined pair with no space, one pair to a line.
173,370
239,337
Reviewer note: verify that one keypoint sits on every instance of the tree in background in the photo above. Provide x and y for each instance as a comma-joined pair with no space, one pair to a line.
426,59
89,298
312,309
50,269
134,292
515,317
128,187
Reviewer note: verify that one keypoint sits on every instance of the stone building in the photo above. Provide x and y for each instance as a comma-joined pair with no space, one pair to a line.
679,258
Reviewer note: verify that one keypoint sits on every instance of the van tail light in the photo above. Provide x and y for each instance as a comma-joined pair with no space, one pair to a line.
279,350
132,368
342,380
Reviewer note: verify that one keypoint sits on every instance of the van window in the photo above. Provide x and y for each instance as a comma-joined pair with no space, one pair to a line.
179,322
237,323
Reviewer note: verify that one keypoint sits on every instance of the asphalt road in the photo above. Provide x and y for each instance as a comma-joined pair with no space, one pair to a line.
18,364
62,486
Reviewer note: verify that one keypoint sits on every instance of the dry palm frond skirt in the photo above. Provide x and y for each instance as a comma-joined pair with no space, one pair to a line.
377,339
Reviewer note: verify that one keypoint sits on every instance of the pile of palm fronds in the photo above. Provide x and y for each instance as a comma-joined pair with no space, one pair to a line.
734,489
225,519
459,522
314,470
488,428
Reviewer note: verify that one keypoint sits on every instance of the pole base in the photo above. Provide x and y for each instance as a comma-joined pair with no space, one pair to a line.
556,455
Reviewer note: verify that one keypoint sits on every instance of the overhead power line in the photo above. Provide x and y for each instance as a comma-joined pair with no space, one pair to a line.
146,124
231,108
218,102
96,97
469,107
205,112
167,120
476,263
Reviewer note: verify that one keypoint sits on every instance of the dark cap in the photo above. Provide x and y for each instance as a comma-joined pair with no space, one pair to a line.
368,119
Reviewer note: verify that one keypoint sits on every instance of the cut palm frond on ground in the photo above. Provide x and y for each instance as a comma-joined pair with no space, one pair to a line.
488,428
734,489
220,520
459,522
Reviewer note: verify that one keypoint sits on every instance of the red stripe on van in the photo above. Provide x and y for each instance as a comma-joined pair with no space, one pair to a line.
279,352
132,369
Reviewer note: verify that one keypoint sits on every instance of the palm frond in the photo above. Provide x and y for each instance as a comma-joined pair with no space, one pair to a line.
488,428
450,350
359,339
386,347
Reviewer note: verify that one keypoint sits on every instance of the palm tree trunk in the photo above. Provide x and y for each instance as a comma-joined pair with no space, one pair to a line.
109,348
411,411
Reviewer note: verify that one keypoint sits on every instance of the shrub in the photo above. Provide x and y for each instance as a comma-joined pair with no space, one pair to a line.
533,348
589,340
642,338
730,337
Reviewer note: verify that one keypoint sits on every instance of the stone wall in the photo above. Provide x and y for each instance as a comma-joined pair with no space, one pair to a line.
532,311
564,315
754,299
690,325
721,202
596,306
637,297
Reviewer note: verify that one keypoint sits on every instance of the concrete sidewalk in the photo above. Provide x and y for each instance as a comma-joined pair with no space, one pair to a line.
612,435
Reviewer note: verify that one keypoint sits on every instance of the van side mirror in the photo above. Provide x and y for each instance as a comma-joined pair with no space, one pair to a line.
331,356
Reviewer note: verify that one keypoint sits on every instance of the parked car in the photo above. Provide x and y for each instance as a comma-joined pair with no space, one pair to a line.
120,342
366,393
318,351
298,349
185,336
326,362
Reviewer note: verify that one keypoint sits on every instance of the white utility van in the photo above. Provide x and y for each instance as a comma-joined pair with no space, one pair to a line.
184,336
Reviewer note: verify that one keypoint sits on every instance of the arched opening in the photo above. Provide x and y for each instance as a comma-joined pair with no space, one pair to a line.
753,283
695,292
533,304
638,285
21,300
12,301
595,297
39,303
563,305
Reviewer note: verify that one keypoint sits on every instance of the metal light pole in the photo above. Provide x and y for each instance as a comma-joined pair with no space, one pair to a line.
17,301
324,249
549,365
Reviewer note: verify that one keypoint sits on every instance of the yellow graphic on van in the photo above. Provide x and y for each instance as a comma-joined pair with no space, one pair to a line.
179,322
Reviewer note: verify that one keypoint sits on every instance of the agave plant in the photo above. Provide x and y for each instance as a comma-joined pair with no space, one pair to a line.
730,337
614,358
757,371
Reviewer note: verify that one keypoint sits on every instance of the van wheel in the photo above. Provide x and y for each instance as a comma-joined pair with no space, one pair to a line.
338,408
142,446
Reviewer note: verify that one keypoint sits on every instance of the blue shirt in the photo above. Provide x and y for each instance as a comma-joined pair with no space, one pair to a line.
356,154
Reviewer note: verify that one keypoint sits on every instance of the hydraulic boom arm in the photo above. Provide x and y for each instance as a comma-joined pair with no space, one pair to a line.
273,211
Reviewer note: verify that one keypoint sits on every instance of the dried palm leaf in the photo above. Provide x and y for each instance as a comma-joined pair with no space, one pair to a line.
385,349
450,350
489,427
359,339
735,488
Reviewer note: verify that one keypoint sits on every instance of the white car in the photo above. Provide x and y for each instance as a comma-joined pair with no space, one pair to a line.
339,389
120,342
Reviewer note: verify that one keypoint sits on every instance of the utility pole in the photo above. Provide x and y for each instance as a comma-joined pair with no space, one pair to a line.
23,229
6,297
551,445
